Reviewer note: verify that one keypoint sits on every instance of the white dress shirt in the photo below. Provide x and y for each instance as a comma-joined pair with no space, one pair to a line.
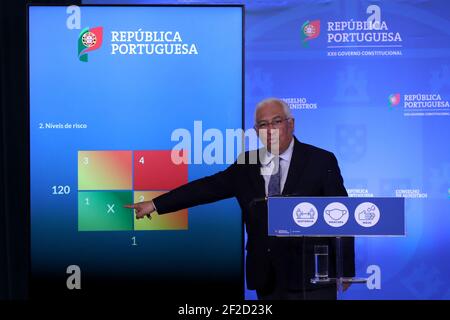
267,166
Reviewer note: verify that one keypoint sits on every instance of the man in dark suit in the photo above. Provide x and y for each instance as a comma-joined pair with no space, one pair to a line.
277,267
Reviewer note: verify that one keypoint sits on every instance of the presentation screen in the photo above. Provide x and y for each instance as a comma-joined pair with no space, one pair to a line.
120,100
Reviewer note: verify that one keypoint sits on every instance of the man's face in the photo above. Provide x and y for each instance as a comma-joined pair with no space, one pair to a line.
272,127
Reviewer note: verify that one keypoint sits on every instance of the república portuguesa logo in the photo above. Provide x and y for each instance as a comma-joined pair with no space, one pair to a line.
394,99
310,30
90,39
421,104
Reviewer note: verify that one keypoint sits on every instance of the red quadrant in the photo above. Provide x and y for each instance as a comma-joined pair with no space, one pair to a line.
155,170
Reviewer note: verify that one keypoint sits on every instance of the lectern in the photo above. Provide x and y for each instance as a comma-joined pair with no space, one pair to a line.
292,216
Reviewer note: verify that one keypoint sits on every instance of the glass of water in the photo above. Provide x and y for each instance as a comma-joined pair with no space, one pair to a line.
321,262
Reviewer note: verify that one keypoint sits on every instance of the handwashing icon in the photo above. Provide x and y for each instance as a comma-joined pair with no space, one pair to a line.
305,215
335,214
367,215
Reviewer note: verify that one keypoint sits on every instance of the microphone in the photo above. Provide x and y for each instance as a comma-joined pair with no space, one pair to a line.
257,200
264,199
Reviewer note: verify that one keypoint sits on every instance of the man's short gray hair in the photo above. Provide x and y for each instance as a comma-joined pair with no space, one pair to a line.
286,109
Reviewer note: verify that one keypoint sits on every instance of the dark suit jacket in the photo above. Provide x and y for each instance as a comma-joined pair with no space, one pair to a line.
312,172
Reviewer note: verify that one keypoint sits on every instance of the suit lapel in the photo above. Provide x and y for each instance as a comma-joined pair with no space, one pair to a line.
297,166
257,179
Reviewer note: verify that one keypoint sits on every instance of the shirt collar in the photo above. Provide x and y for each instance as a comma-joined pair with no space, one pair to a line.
286,155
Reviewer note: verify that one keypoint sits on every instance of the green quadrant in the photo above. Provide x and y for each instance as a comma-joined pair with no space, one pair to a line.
104,211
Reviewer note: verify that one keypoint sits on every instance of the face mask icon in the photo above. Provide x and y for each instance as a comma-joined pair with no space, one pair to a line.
335,214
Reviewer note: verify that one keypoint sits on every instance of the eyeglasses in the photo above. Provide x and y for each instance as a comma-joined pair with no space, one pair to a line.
275,123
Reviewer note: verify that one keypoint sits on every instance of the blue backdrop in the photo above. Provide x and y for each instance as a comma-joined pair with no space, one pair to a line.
369,81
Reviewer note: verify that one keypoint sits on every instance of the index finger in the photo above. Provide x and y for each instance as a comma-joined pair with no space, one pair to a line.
130,206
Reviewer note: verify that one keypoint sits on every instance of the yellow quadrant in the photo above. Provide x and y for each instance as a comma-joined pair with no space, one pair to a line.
105,170
170,221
